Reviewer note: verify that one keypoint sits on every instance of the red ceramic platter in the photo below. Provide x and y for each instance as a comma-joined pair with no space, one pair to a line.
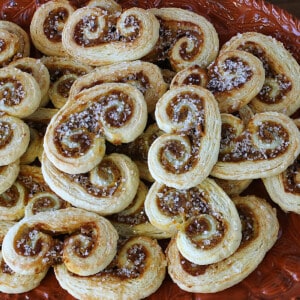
278,276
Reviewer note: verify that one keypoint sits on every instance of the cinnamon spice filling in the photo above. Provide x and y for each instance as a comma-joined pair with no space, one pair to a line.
10,197
291,178
192,268
53,24
11,91
6,134
45,204
5,269
64,86
56,71
3,45
242,148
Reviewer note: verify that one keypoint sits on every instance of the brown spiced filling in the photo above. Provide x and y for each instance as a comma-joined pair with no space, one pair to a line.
11,91
10,197
6,134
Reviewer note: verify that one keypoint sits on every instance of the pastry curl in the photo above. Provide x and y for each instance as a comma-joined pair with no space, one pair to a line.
192,75
281,89
74,140
235,78
11,282
145,76
63,72
96,37
203,219
260,231
23,42
8,175
284,187
133,221
233,187
38,70
137,271
108,188
185,155
47,25
14,139
186,38
9,47
89,245
263,147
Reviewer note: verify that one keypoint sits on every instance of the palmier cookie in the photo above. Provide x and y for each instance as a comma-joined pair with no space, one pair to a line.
8,175
74,140
186,153
97,37
264,147
20,94
284,187
281,89
186,38
108,188
63,72
260,231
47,25
20,42
10,281
137,271
89,244
235,78
133,221
203,219
38,70
14,139
145,76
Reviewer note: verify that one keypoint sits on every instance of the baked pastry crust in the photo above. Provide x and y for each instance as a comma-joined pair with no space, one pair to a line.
47,25
8,175
260,231
235,78
281,90
186,38
90,244
203,219
96,37
108,188
74,140
145,76
186,153
20,93
137,271
264,147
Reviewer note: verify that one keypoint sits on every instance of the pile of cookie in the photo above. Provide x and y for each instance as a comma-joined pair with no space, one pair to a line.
134,126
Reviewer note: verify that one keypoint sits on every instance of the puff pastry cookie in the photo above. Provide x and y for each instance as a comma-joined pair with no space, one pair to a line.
203,219
137,271
260,230
186,38
97,37
8,175
264,147
186,153
74,140
108,188
281,89
89,245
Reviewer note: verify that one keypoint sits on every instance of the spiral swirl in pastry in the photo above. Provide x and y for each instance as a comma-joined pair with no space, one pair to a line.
281,89
20,94
203,218
8,175
192,75
185,155
186,38
38,70
63,72
264,147
47,25
137,271
14,139
89,244
145,76
18,37
133,221
259,230
74,140
235,78
11,282
284,187
108,188
96,37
